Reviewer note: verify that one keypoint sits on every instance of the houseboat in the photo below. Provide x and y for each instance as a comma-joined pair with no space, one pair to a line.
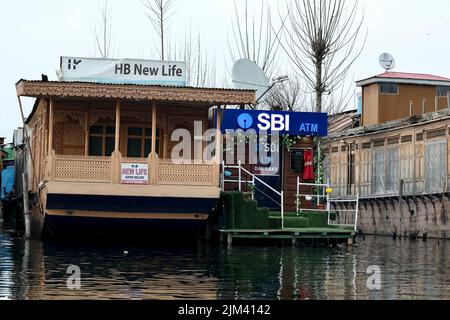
394,154
100,153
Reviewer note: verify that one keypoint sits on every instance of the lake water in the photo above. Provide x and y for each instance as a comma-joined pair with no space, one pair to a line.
193,270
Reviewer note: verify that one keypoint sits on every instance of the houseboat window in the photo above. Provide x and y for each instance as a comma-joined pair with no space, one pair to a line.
389,88
435,166
140,142
379,169
393,169
101,140
442,91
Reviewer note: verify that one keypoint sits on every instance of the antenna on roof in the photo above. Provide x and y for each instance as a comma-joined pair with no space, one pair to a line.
387,61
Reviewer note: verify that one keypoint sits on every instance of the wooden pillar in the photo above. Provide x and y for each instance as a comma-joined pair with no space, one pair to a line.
218,135
448,99
117,135
166,136
86,134
50,127
153,154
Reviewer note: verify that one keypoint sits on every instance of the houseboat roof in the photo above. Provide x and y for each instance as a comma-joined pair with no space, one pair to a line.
135,92
405,78
394,125
343,121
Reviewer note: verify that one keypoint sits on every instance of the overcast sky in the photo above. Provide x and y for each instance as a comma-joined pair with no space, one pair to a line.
35,33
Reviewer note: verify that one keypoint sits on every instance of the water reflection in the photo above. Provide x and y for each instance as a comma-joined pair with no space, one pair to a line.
410,270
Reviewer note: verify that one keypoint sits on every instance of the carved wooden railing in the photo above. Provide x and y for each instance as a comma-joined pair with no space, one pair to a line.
86,169
82,169
187,174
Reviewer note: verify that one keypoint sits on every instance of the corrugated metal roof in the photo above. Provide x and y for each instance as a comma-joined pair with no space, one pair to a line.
343,121
405,78
415,76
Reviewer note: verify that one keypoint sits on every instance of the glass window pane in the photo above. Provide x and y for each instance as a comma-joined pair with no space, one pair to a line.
389,88
96,130
111,130
134,148
135,131
95,146
110,143
442,91
393,170
435,167
379,172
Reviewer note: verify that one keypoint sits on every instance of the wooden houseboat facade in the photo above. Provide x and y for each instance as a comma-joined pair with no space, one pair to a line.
84,134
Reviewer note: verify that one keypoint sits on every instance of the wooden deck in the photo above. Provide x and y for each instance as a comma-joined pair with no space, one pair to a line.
293,234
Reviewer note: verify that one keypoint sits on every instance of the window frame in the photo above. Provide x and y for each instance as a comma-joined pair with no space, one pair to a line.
104,136
440,87
389,93
427,187
143,137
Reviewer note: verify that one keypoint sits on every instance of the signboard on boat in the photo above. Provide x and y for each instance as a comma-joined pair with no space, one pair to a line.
134,173
292,123
125,71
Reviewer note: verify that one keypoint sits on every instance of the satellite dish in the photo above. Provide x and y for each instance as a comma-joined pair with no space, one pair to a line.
248,75
387,61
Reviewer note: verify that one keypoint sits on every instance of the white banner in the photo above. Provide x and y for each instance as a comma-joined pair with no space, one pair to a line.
126,71
134,173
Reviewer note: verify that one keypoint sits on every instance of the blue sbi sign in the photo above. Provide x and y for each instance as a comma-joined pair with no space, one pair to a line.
292,123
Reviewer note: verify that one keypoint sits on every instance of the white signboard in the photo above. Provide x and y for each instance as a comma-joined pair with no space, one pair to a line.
134,173
126,71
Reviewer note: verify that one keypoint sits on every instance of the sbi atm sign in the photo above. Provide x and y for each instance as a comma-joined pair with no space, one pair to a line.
292,123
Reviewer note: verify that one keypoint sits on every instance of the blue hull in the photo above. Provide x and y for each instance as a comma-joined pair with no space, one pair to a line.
66,225
130,204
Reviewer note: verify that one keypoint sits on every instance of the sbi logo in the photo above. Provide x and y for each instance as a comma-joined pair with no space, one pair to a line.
245,121
266,122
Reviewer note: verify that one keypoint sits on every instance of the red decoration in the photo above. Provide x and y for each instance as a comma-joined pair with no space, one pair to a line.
308,173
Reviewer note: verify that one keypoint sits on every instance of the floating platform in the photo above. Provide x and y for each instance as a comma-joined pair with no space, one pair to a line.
290,234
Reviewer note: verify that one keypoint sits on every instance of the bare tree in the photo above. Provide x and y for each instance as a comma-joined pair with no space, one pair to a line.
287,96
201,68
159,12
253,38
102,32
321,40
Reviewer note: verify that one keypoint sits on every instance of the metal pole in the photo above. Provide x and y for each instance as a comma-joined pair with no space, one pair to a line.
240,176
254,188
282,209
223,176
297,196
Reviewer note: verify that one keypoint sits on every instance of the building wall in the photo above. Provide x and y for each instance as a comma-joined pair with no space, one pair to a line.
370,104
416,166
379,108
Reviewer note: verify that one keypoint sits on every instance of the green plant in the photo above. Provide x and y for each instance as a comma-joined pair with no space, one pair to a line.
289,141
